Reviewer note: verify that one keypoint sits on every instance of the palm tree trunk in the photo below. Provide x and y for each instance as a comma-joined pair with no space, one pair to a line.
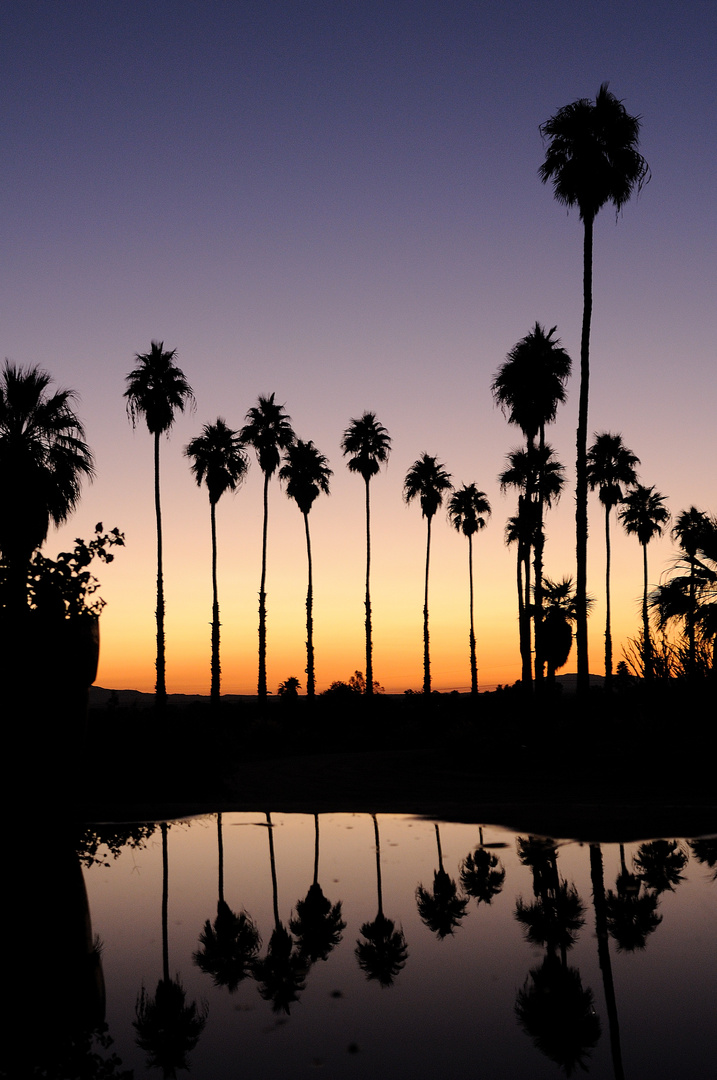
608,627
220,857
538,564
474,664
691,619
601,932
272,861
527,675
262,597
216,670
367,602
316,849
646,641
581,468
161,686
165,903
310,679
426,649
521,606
378,864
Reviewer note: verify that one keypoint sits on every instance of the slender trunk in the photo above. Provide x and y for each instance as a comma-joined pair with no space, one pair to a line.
165,903
216,669
646,640
378,864
316,849
601,932
608,627
220,857
474,664
272,861
691,622
521,607
527,675
438,845
367,602
581,488
310,680
161,686
538,564
426,648
262,597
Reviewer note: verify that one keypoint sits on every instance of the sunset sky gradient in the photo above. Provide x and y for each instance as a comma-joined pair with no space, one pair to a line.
340,203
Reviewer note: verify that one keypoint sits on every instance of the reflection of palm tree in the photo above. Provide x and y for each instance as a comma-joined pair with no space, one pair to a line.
558,1014
610,468
482,875
602,922
643,514
660,864
282,971
368,445
705,851
592,159
382,956
218,459
231,942
426,480
167,1027
156,388
631,910
468,509
318,924
443,909
43,460
557,915
268,429
306,474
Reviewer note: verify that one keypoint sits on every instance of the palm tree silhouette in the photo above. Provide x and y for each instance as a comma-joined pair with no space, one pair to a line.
306,474
528,387
660,864
156,389
318,924
592,159
383,953
524,469
482,874
643,515
560,614
610,468
219,459
468,509
426,480
43,461
442,909
268,429
368,446
690,530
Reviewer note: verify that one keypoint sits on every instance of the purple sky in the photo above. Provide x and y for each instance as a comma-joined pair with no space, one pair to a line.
339,202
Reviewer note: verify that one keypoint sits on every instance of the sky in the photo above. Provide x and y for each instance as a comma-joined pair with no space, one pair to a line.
340,204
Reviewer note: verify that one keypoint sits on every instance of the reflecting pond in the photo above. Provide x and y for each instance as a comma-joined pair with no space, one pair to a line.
270,946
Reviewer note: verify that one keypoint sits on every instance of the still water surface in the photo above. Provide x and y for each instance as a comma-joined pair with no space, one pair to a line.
446,950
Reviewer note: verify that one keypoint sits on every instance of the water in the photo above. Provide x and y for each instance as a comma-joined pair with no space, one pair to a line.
481,1001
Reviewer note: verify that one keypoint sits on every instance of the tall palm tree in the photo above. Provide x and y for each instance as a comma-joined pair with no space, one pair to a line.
643,515
610,468
688,531
268,429
306,474
528,387
367,444
592,159
427,480
156,389
219,459
524,470
43,461
468,509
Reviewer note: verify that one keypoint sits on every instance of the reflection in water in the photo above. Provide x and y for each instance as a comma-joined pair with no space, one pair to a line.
442,909
526,958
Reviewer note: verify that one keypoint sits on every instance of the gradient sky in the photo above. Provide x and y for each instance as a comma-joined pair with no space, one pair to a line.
339,203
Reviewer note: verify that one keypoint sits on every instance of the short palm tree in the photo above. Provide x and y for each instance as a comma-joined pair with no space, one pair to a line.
268,429
156,389
427,481
643,515
592,159
306,474
219,460
610,469
528,387
367,445
468,510
43,461
560,614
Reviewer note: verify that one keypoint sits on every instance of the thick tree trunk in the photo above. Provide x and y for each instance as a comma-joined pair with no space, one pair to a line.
161,685
262,597
216,669
426,647
367,602
581,488
310,678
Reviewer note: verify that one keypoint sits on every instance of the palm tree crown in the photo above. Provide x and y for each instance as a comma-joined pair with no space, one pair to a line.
156,389
427,480
367,444
611,467
306,474
644,513
268,429
43,459
530,384
218,459
468,509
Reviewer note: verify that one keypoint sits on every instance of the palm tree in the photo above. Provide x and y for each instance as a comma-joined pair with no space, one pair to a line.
689,531
610,468
426,480
156,389
560,614
268,429
368,446
592,159
643,515
524,470
468,509
306,474
218,459
441,910
43,460
528,387
383,953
